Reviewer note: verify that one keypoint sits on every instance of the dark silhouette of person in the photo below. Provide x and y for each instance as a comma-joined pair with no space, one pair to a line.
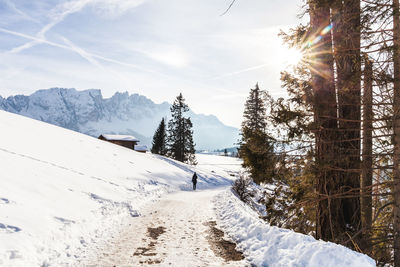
194,180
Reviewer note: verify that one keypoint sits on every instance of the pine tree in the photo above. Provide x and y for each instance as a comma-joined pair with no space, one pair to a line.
159,139
180,145
254,114
256,148
318,186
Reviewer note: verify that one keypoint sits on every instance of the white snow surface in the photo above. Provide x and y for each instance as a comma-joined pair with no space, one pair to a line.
265,245
64,194
61,190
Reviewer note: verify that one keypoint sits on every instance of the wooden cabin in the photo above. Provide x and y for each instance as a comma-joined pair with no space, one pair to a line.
127,141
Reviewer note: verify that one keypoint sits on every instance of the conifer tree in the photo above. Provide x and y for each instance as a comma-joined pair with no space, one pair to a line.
256,148
159,139
180,145
254,114
319,126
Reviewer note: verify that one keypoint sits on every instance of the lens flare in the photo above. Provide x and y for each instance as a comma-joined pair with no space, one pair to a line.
326,29
317,39
314,48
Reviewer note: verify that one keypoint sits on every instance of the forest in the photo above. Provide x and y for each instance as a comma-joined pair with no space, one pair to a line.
328,155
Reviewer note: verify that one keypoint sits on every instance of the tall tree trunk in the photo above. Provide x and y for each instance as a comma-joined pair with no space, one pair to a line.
366,175
396,129
325,112
346,38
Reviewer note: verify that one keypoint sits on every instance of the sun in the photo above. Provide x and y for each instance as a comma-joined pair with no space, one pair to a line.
293,56
289,56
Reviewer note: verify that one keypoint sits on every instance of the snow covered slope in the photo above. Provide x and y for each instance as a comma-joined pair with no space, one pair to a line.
89,113
265,245
62,193
61,190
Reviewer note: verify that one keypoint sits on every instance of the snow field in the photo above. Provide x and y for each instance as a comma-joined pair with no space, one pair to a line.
265,245
61,191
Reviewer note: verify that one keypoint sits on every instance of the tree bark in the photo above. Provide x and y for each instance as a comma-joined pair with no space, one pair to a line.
366,175
396,131
347,38
325,113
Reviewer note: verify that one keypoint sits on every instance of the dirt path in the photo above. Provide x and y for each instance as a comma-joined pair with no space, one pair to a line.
179,230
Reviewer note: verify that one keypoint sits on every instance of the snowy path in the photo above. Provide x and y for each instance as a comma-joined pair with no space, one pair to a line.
171,232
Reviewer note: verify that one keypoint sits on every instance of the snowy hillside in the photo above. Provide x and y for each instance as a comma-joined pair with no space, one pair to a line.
61,190
88,112
67,199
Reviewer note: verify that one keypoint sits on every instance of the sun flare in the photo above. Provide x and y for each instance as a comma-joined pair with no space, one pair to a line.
291,57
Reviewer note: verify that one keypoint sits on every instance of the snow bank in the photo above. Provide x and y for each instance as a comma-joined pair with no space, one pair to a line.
265,245
61,191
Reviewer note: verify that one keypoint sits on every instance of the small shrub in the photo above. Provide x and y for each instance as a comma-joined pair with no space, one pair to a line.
241,187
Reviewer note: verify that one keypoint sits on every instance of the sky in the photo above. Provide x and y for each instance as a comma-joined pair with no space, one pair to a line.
156,48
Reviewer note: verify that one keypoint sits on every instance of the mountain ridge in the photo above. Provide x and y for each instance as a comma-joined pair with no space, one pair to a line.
88,112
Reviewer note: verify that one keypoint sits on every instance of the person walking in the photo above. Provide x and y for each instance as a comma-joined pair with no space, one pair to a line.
194,180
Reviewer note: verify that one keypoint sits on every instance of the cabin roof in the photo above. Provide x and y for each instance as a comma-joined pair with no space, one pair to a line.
140,148
120,137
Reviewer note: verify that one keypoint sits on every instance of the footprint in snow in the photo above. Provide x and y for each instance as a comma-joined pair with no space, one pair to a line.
4,201
64,221
14,254
9,228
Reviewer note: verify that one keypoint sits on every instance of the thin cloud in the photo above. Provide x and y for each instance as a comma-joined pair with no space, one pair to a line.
170,55
20,48
33,38
89,57
63,10
228,96
115,7
19,11
37,39
82,53
57,14
241,71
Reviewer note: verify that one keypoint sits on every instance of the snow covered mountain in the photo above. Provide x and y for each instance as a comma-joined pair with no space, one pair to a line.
89,113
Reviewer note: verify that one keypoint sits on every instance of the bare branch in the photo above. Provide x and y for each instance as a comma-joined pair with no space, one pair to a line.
229,7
